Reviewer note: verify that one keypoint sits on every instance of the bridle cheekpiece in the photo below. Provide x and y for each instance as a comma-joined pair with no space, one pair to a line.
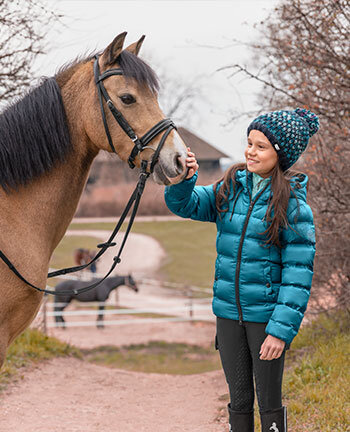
139,143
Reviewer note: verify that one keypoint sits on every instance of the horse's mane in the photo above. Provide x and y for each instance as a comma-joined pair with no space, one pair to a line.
34,135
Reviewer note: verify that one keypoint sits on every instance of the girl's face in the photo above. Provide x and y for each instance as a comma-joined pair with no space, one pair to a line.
260,156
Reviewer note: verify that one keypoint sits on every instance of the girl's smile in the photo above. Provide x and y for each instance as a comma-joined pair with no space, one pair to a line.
260,156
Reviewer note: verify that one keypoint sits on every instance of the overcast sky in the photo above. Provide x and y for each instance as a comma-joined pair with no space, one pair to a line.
190,38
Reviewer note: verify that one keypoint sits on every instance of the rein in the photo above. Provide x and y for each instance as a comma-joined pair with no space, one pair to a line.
139,145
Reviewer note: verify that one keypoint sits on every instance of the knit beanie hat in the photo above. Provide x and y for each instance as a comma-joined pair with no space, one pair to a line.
288,132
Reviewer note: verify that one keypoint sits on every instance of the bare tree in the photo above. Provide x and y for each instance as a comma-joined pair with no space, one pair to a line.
179,95
23,26
303,59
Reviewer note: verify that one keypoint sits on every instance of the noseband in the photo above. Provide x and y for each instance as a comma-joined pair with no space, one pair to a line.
139,143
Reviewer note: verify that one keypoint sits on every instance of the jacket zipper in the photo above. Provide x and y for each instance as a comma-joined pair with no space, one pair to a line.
239,254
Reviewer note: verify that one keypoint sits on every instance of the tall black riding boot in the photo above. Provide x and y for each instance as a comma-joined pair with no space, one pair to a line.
241,421
274,420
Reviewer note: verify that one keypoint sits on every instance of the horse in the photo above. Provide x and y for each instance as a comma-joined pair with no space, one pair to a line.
83,256
48,141
100,294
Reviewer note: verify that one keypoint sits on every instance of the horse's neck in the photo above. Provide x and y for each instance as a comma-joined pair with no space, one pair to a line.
120,281
34,219
37,216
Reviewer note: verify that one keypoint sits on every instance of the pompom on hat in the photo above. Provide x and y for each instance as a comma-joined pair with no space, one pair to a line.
288,131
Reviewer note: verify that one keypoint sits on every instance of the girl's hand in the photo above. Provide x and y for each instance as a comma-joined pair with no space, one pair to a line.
271,348
191,163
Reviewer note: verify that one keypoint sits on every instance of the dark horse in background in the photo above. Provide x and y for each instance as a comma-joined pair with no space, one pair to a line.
48,141
99,294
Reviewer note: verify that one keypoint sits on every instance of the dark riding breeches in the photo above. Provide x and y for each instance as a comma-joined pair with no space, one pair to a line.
239,347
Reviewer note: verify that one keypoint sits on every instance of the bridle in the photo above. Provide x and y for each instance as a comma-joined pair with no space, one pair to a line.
140,144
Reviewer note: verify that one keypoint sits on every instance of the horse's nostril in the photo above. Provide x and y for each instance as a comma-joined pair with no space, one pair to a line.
178,163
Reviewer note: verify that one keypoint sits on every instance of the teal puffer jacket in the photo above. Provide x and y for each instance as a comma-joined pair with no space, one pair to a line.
253,282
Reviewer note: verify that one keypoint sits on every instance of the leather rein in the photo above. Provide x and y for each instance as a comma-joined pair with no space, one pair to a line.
166,126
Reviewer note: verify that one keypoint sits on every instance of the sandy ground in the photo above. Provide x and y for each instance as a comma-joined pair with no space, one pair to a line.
73,395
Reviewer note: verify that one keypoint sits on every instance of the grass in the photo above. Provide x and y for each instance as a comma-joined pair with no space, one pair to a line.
190,248
157,357
316,387
29,348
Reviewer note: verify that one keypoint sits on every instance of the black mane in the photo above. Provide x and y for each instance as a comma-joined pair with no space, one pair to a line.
34,135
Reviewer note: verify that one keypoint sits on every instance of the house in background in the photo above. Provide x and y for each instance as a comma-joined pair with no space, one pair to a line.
108,169
208,157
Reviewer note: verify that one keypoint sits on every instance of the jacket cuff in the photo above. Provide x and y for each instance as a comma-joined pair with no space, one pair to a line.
182,189
280,331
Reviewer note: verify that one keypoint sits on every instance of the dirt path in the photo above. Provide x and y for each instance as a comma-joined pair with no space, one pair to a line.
142,254
74,396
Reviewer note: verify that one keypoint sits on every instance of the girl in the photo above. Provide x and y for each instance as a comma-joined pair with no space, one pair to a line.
265,252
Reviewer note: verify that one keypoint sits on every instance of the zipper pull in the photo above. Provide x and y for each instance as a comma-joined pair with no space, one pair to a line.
240,322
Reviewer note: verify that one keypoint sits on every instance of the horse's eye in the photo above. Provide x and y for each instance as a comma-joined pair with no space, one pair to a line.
127,99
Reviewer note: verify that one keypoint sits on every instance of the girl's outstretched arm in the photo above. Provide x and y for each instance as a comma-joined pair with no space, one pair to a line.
190,201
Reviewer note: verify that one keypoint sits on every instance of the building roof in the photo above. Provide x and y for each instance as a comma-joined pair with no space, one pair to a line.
202,149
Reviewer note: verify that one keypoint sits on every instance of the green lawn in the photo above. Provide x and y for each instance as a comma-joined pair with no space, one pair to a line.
157,357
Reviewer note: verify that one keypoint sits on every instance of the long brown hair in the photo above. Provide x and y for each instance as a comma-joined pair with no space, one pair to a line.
276,213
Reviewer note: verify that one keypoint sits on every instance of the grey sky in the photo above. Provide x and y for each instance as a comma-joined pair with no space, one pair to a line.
189,37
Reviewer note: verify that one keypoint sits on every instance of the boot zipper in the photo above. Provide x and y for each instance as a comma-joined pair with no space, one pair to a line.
239,254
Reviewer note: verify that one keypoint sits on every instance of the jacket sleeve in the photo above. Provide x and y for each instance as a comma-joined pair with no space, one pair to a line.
297,255
190,201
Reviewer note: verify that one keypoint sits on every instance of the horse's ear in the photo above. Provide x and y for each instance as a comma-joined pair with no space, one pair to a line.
113,50
136,46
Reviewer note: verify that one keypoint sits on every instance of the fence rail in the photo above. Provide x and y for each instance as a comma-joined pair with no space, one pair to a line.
189,308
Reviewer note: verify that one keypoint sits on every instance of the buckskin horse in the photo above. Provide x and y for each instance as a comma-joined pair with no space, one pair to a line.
98,294
48,141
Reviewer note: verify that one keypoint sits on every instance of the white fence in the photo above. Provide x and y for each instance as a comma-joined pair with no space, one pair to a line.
177,303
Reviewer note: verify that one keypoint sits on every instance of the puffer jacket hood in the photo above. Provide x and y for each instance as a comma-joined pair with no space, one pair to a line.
253,282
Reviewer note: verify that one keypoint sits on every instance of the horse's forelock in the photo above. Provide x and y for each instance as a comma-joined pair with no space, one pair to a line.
135,68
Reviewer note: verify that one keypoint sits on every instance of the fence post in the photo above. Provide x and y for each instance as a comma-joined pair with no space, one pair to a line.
45,314
189,294
116,298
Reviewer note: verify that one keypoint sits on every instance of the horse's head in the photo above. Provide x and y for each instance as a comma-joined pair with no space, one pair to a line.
130,283
131,88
